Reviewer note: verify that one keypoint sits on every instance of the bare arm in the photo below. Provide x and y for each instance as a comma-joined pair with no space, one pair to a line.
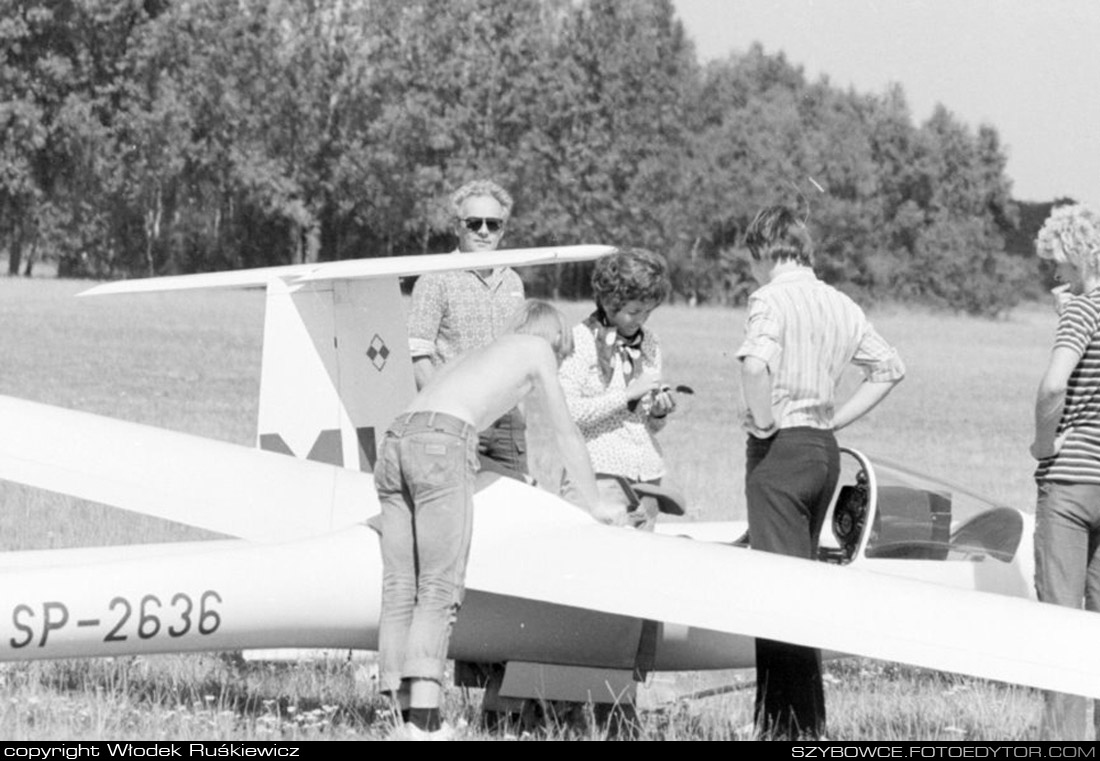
756,384
883,369
574,453
425,316
865,399
1050,401
422,371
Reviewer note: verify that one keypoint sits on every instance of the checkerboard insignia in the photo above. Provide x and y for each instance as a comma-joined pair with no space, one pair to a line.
378,352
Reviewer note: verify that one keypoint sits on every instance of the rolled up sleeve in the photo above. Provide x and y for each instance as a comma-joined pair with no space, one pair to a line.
878,359
425,316
762,334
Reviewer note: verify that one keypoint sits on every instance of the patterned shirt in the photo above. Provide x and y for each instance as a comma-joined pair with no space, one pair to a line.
620,442
454,312
1078,460
807,332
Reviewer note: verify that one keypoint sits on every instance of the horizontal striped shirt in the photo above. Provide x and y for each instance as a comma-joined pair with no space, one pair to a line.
1078,460
807,333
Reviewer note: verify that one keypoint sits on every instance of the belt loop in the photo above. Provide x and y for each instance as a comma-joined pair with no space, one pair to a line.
431,420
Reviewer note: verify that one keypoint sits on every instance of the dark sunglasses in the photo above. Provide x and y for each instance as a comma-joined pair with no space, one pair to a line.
473,224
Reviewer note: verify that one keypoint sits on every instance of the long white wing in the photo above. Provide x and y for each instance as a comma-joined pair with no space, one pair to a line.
189,479
540,554
353,269
530,545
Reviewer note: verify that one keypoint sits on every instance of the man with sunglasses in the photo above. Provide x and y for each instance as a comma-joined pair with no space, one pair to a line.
455,312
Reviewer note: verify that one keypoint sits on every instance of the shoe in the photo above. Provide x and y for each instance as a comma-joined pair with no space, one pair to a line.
409,732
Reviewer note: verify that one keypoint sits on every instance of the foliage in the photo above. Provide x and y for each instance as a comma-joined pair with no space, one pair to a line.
164,136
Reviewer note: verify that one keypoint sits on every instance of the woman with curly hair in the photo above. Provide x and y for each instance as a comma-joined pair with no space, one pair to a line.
1067,443
612,382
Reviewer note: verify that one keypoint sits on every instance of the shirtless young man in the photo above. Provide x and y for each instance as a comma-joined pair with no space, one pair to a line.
425,480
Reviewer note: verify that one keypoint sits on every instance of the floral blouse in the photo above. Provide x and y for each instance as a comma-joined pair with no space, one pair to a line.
620,441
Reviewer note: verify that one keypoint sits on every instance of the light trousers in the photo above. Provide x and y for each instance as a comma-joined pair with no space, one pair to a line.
1067,573
425,480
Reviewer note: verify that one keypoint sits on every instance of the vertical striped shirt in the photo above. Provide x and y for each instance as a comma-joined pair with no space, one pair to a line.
807,333
1078,460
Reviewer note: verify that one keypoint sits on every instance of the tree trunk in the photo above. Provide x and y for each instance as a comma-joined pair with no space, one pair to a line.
152,230
15,253
28,267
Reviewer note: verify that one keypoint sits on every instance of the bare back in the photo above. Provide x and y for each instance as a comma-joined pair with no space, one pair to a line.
483,384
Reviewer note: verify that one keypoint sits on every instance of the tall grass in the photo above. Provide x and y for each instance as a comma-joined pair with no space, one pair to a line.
191,362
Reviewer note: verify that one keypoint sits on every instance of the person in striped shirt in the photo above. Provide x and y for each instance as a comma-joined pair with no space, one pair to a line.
800,336
1067,443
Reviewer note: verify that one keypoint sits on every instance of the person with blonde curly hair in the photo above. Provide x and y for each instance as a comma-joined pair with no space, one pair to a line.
1067,444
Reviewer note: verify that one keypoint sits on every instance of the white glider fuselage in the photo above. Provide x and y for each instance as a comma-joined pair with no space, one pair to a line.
321,592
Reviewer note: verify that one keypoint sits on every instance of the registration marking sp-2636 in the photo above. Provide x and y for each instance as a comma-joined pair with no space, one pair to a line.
176,616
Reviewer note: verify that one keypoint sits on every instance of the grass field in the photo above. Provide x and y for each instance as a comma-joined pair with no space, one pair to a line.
191,362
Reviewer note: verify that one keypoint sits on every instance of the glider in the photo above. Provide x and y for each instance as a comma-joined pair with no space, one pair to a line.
915,571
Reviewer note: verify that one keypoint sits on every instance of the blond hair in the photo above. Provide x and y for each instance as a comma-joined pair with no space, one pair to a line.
1071,234
537,318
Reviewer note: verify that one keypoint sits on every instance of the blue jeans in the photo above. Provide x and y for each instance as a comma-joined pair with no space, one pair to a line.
425,479
1067,573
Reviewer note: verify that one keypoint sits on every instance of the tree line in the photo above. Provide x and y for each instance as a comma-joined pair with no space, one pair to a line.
143,137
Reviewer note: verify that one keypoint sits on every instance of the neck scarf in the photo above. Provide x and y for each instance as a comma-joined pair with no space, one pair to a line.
610,345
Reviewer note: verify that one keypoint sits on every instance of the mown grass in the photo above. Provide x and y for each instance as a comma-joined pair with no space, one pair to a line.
191,362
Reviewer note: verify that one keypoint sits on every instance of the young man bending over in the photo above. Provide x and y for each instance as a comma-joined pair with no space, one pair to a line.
425,480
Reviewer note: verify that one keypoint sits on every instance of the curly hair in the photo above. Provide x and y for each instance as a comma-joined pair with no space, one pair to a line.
777,234
481,188
537,318
630,274
1071,234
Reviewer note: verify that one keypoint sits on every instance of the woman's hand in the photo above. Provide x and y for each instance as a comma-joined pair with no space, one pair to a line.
611,514
664,402
647,382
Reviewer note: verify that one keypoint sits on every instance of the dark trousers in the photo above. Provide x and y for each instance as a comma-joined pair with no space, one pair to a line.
789,481
503,445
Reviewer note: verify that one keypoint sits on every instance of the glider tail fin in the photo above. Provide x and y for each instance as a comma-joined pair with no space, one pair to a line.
336,369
